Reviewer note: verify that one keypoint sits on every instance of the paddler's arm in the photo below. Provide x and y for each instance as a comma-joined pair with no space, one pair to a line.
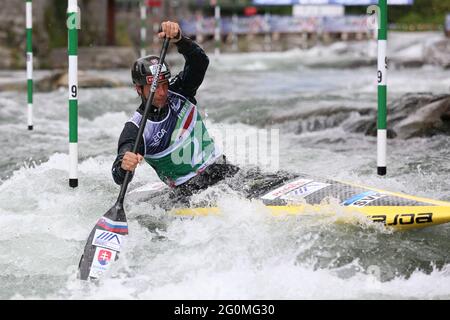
189,80
126,143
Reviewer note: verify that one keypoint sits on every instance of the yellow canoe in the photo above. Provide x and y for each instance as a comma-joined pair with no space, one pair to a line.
307,195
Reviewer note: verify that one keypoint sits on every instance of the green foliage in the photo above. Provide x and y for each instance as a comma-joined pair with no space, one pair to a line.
55,18
423,11
122,35
17,59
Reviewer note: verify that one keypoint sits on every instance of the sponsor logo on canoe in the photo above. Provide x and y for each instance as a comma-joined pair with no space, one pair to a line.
106,239
404,219
101,262
363,199
285,189
305,190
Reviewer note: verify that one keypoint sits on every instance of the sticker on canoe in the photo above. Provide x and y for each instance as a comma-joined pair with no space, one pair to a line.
106,239
363,199
102,261
285,189
305,190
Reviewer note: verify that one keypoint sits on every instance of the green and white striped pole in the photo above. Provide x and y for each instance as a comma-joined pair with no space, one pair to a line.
217,27
234,30
72,25
29,32
382,89
267,42
198,27
143,27
156,24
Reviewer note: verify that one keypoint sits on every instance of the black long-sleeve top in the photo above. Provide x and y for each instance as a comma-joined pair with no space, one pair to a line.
185,83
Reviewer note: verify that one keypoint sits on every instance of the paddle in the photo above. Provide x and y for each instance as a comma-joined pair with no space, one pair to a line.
106,239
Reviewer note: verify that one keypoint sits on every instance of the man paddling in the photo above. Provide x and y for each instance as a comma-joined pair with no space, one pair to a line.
175,140
175,143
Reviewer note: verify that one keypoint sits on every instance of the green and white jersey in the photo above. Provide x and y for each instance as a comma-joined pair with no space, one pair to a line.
178,147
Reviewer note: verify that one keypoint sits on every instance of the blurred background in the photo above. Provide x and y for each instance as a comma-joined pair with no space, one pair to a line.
113,27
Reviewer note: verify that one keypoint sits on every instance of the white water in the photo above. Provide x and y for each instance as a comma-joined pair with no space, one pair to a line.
245,253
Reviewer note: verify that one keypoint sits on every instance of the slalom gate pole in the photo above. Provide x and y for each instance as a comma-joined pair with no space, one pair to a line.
234,29
267,37
156,24
217,28
72,26
29,55
143,27
382,89
198,27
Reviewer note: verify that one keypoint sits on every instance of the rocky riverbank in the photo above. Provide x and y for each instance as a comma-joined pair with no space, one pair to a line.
412,115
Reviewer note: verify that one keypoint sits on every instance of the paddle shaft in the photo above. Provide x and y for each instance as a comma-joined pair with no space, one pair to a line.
148,104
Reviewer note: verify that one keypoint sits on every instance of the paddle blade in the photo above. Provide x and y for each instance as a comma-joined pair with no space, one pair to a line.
103,244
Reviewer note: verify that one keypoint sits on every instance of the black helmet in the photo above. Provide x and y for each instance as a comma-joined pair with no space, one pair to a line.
144,68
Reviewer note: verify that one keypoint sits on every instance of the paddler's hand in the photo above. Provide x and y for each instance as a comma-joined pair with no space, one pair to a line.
170,30
130,161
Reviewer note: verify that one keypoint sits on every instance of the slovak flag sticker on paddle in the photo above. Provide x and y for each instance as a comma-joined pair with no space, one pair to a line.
113,226
104,257
102,261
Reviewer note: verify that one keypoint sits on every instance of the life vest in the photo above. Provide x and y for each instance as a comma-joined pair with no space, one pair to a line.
179,146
